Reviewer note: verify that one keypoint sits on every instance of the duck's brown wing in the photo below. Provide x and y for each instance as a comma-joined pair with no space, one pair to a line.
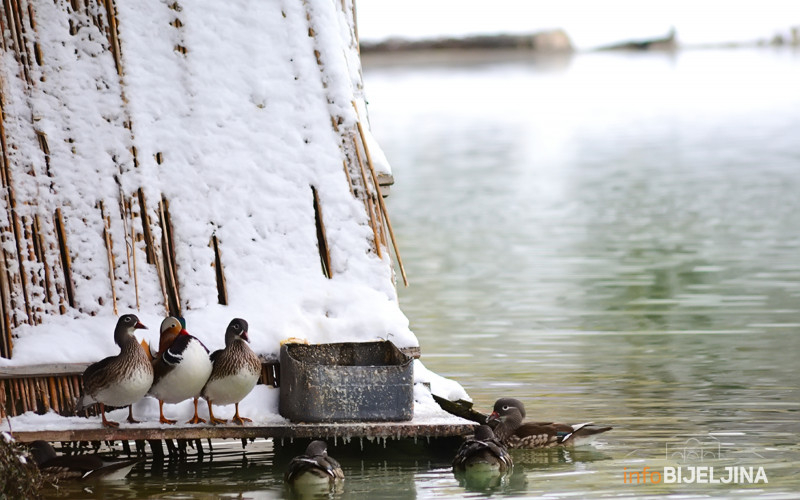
96,375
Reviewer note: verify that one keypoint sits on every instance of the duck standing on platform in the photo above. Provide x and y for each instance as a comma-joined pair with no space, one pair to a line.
181,368
508,414
119,380
86,467
235,371
482,453
313,468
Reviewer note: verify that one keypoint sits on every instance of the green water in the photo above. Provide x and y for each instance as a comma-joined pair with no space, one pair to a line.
611,237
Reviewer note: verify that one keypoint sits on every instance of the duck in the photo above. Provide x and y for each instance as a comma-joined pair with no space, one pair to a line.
180,370
483,452
508,415
82,467
119,380
235,371
314,467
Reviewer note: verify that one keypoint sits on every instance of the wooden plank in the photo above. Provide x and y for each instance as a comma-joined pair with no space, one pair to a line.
285,431
42,370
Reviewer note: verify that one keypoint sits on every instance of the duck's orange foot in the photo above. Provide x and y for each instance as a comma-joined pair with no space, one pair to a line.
196,420
215,421
132,420
240,420
165,420
110,424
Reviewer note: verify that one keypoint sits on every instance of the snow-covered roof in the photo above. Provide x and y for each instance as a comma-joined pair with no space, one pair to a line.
225,114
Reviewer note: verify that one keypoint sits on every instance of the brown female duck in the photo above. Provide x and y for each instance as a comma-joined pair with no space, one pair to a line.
119,380
234,373
482,452
313,467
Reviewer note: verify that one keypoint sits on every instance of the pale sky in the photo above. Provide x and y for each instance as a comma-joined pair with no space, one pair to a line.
589,23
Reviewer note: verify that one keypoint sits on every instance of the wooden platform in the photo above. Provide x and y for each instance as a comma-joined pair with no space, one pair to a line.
54,387
368,430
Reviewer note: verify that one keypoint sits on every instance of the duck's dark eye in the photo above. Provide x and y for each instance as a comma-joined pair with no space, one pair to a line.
505,408
127,319
235,327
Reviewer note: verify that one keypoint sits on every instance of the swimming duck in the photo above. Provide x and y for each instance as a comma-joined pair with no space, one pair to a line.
482,452
234,373
508,414
86,467
119,380
181,368
314,467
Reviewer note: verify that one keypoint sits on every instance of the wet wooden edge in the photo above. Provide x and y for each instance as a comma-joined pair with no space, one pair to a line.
392,430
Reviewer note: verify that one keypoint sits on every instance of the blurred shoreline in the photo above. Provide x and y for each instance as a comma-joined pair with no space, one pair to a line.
556,42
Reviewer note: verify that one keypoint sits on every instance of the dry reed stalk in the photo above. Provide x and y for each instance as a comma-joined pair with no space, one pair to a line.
18,238
113,34
124,212
5,321
322,240
18,33
55,400
110,255
381,203
61,392
3,389
23,394
39,239
222,285
146,230
150,246
66,261
349,180
367,202
169,256
133,258
42,394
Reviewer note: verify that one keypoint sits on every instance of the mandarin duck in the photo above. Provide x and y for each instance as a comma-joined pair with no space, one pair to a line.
511,431
181,368
85,467
483,452
235,371
119,380
314,467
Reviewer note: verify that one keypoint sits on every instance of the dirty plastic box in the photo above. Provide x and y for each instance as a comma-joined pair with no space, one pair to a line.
346,382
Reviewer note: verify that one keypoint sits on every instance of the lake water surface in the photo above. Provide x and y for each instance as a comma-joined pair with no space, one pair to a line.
611,237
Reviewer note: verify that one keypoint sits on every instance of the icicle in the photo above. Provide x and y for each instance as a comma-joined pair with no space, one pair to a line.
361,442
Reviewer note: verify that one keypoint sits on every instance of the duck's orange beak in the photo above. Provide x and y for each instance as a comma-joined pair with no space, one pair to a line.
183,332
140,325
493,416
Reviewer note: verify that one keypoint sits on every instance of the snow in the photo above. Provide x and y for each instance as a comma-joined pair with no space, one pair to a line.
242,126
229,114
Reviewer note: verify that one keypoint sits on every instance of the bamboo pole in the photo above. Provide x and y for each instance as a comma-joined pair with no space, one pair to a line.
55,400
133,258
381,203
222,285
113,34
48,282
66,262
349,180
151,247
109,255
169,256
368,202
322,241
